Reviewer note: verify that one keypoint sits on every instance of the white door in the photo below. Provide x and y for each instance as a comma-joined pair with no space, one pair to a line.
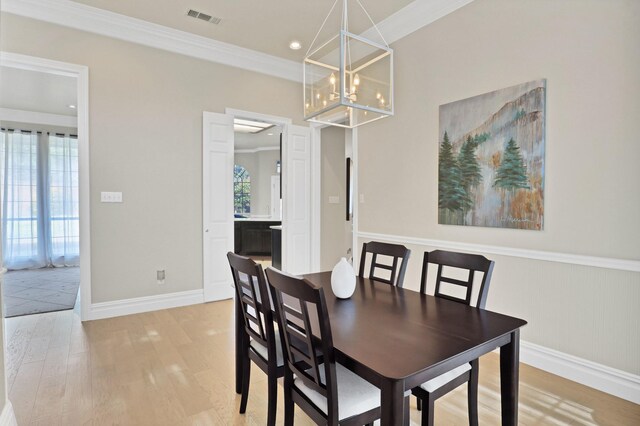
217,204
296,225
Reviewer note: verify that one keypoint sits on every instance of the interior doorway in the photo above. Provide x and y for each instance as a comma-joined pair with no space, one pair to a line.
44,189
218,198
257,191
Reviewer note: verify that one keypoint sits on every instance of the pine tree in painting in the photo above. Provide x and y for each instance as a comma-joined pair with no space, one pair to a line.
470,175
451,194
512,172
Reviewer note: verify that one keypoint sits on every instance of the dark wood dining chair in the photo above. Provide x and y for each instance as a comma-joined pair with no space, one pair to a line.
325,390
262,345
429,391
399,259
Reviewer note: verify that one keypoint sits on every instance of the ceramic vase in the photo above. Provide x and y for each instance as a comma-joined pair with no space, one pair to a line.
343,279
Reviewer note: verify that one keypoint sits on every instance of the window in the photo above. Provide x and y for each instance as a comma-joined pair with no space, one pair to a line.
39,199
241,190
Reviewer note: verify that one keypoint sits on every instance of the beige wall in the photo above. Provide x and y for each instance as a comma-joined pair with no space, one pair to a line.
145,139
588,52
333,181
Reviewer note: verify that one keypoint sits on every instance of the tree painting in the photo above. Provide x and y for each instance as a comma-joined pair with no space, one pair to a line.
491,159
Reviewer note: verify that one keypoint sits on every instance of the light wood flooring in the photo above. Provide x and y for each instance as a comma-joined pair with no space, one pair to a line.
175,367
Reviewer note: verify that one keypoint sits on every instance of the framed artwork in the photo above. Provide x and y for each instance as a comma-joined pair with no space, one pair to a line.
491,159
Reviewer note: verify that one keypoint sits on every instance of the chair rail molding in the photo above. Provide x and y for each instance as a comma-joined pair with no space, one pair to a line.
99,21
549,256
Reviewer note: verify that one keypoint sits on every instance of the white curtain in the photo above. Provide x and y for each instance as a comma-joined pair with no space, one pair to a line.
39,178
63,238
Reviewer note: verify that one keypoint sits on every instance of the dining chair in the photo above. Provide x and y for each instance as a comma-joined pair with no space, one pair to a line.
395,273
263,345
325,390
429,391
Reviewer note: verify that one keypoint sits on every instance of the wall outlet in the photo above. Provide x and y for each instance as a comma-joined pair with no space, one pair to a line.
334,199
361,198
160,277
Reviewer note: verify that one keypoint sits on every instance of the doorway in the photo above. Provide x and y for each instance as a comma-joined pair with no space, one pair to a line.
45,186
218,198
257,191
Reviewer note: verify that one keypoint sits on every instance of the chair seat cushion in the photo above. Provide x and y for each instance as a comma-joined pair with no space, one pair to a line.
355,394
443,379
264,352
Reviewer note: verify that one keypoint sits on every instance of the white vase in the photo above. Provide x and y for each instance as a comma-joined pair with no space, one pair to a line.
343,279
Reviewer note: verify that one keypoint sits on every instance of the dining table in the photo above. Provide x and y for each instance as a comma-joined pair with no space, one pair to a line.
398,338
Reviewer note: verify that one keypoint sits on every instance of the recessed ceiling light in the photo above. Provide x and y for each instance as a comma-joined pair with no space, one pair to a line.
250,126
269,134
295,45
72,106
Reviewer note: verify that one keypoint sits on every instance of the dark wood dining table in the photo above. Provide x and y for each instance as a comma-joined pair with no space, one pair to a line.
398,339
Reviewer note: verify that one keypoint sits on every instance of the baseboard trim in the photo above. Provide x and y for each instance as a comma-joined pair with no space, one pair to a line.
606,379
145,304
549,256
8,417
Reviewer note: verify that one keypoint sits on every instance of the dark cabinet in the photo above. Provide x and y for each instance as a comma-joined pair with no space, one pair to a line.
276,248
253,237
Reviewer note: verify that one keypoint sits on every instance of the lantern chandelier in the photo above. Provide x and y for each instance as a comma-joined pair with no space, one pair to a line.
348,80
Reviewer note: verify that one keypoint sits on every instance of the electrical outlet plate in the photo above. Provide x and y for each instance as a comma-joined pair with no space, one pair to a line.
160,276
111,197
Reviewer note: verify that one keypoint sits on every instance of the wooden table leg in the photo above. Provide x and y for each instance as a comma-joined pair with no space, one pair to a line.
392,404
509,378
239,345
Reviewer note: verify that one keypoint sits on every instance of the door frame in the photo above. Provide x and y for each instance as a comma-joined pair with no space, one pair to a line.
315,172
81,74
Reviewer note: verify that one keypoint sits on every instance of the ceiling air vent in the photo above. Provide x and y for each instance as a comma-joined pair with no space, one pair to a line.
204,16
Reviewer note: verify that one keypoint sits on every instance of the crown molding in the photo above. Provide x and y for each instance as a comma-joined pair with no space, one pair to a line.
43,118
412,17
86,18
254,150
99,21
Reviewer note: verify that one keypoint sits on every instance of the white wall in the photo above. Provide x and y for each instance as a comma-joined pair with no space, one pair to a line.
145,118
588,52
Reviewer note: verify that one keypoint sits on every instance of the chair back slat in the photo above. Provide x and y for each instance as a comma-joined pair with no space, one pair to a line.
299,305
251,290
471,263
399,255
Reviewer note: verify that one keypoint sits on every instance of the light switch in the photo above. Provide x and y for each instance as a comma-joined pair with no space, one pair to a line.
334,199
111,197
361,198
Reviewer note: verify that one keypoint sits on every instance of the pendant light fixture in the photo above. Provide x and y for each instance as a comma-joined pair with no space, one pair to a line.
348,79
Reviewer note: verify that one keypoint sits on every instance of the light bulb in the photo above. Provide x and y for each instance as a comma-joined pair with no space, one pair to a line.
307,105
324,103
317,95
378,95
356,80
353,89
332,79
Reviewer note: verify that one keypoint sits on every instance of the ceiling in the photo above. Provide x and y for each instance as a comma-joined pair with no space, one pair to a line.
269,138
37,91
264,25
